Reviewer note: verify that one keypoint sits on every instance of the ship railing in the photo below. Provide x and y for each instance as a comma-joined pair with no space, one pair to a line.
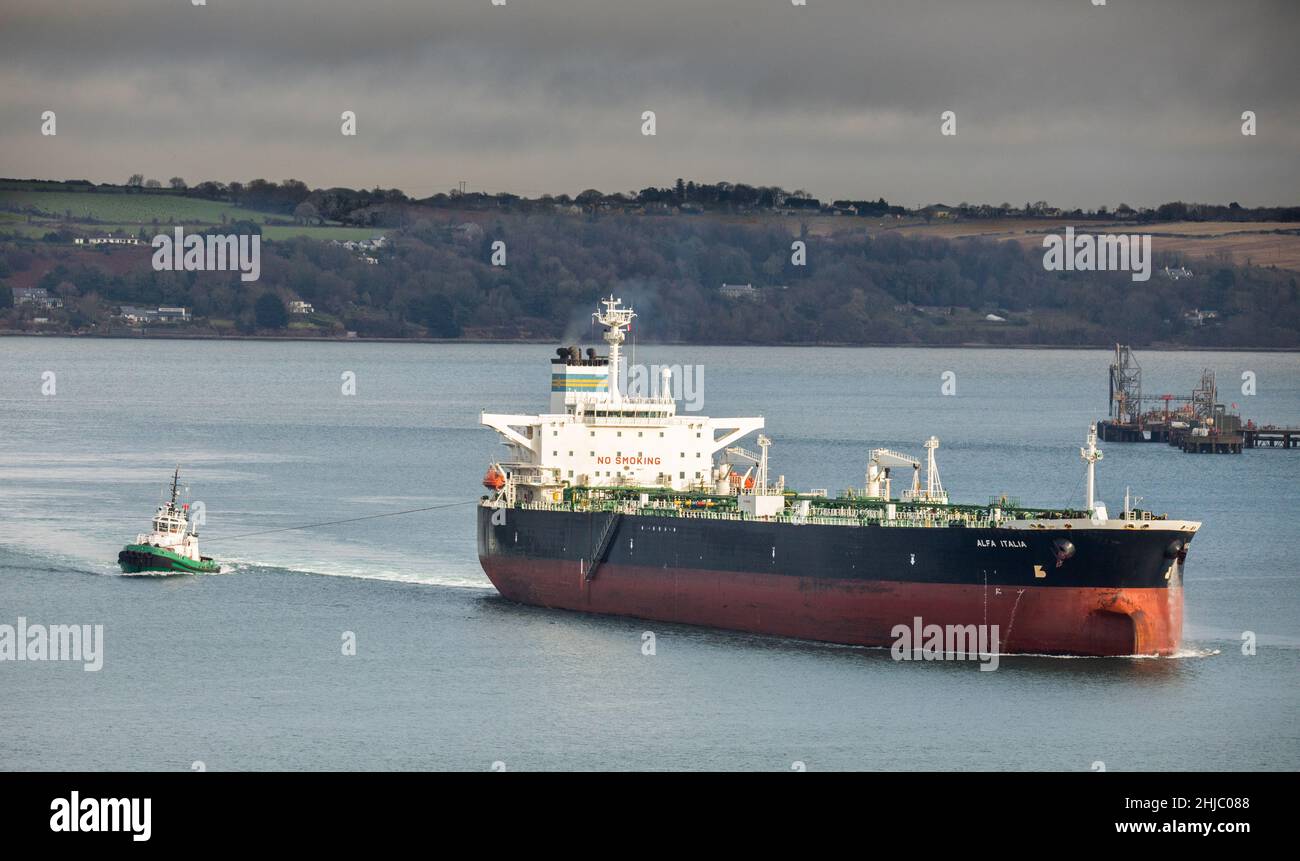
645,399
655,420
842,517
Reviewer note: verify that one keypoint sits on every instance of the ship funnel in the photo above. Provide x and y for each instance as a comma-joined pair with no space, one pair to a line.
576,380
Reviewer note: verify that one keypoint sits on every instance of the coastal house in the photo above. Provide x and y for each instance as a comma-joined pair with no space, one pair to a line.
297,306
374,243
37,296
468,232
936,210
740,291
110,239
164,314
135,316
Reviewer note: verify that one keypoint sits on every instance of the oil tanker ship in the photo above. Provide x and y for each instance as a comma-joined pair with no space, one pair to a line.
616,504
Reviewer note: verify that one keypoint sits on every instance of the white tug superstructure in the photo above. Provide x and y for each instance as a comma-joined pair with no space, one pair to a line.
597,436
171,546
171,530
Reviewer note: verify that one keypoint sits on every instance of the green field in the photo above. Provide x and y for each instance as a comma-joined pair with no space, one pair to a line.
343,234
271,233
108,212
133,208
43,185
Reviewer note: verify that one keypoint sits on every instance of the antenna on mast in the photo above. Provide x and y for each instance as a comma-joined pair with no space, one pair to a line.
933,487
1090,454
615,319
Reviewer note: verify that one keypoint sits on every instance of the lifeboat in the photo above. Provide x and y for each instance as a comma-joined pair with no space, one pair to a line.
494,479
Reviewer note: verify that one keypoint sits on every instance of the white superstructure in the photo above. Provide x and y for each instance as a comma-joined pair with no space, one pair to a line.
1090,454
171,527
597,436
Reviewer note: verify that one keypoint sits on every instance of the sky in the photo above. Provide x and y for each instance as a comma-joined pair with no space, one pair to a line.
1135,101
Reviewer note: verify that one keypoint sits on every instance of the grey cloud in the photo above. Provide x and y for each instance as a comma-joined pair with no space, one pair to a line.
1064,101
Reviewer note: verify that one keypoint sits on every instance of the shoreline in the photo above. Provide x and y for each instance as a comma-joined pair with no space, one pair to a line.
974,345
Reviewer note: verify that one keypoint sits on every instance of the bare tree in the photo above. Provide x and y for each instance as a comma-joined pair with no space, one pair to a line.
306,213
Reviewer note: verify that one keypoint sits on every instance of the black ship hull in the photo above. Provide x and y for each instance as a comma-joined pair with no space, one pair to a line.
1114,590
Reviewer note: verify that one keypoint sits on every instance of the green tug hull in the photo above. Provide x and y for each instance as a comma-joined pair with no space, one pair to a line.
140,558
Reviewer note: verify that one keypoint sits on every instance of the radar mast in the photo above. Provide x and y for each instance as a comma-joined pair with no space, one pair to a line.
616,320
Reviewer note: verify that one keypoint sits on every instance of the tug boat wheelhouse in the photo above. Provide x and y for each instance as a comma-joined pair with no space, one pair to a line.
616,504
171,547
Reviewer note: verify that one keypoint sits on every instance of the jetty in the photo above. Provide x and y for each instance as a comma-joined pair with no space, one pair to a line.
1196,424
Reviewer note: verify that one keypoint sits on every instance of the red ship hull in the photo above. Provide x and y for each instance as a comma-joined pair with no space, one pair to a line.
1096,621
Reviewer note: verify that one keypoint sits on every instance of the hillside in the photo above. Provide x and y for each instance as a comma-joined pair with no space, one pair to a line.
883,279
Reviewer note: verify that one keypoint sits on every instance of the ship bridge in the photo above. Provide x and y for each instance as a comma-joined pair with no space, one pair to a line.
596,436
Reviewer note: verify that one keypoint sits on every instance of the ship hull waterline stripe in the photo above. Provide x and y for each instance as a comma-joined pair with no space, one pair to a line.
1037,620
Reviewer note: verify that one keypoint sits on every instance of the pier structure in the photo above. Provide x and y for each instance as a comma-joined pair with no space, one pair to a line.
1197,423
1270,436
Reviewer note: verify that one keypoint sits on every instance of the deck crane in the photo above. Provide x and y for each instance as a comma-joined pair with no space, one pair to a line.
881,462
761,499
934,492
759,460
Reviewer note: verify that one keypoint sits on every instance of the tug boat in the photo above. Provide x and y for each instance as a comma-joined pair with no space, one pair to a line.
171,548
614,503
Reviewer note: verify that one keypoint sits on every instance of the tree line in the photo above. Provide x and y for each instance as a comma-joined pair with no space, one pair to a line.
437,278
380,207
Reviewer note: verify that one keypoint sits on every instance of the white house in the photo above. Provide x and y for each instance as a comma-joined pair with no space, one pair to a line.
38,296
165,314
740,291
107,240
